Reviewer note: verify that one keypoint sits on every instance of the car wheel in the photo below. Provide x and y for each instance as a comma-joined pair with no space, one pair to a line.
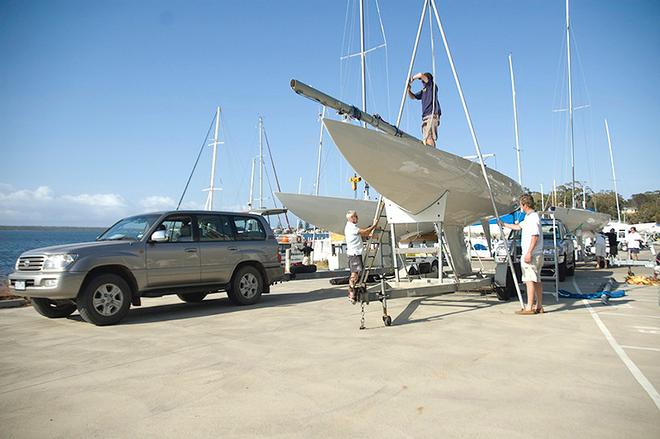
246,286
192,297
562,271
571,271
105,300
434,267
53,309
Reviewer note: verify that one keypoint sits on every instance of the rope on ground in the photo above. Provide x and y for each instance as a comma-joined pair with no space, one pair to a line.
598,295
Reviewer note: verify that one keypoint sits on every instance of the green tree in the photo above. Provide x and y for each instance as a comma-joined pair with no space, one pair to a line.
647,205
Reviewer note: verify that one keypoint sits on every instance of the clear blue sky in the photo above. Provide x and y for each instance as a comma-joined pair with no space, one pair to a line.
103,104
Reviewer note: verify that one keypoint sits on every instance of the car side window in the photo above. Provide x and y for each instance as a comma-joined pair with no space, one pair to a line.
214,228
178,229
248,229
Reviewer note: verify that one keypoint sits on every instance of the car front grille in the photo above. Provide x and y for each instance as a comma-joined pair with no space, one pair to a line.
30,263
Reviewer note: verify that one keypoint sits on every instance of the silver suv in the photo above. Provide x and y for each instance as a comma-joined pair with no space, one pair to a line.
187,253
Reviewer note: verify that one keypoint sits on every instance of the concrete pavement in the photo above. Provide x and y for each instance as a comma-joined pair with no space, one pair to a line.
296,365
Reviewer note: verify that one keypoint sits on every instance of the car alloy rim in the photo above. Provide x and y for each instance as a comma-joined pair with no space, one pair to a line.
107,299
248,285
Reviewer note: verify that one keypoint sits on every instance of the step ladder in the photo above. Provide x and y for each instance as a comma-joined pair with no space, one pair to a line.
380,239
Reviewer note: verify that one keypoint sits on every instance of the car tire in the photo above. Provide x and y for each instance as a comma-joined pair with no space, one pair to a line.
246,286
104,300
192,297
562,271
53,309
571,271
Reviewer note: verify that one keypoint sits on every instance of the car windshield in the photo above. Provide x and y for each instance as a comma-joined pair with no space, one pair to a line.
132,229
547,229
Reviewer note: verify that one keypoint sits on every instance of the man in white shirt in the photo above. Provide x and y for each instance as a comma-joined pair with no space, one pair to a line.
354,249
633,240
531,259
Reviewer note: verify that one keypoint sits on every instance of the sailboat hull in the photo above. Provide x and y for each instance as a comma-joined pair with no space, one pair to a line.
577,220
329,213
414,176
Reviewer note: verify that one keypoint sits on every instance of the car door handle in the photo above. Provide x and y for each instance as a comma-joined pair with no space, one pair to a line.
233,249
191,250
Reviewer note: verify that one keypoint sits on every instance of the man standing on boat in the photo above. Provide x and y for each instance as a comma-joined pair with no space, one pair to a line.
354,248
531,258
430,106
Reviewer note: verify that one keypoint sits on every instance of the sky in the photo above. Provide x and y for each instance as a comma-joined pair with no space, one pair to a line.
104,105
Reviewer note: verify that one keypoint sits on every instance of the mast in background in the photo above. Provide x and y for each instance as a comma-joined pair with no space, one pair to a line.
363,59
570,103
261,163
515,119
318,162
251,186
211,189
616,192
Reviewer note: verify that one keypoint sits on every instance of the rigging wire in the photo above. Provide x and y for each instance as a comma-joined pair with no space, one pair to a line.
277,180
196,161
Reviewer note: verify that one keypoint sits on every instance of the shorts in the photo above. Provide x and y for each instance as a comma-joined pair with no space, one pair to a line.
633,251
532,272
430,126
355,263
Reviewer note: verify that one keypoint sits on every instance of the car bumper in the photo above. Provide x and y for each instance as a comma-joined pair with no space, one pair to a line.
274,274
63,285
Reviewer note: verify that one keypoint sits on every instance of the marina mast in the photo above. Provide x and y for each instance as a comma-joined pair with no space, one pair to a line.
363,63
570,103
211,189
616,193
261,163
515,119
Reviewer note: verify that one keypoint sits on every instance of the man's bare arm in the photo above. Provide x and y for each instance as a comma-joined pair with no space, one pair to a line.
366,232
510,226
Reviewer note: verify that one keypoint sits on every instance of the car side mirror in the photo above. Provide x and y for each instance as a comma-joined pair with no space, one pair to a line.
159,236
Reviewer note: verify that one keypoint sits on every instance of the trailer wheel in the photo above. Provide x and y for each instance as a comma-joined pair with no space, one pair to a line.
387,320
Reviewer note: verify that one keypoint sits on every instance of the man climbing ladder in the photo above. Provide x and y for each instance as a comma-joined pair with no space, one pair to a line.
354,250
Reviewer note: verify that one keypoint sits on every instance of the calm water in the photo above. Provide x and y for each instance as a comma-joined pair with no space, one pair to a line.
15,242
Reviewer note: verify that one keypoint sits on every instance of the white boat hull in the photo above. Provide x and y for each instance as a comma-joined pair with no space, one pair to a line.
414,176
329,213
581,220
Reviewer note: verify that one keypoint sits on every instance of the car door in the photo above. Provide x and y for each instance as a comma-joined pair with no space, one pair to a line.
177,261
250,236
217,248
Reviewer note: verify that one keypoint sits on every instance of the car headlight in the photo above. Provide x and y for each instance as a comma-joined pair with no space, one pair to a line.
58,262
548,252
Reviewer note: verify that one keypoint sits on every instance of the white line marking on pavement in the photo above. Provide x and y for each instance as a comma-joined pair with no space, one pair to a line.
632,367
641,348
646,331
627,315
652,328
